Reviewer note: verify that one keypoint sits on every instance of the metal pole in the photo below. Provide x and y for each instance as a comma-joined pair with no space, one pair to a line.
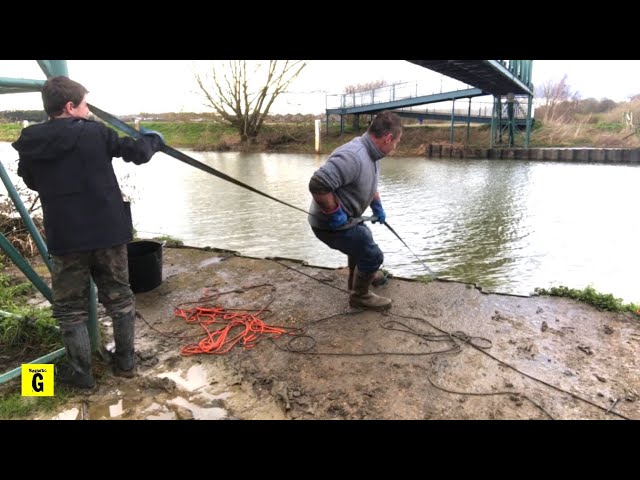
493,124
527,136
452,116
54,68
25,268
26,217
511,118
469,121
22,84
48,358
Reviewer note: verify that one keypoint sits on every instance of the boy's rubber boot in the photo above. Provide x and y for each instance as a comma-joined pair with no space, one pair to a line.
76,371
361,297
124,359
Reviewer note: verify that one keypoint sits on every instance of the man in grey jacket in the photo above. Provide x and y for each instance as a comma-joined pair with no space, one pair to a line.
342,189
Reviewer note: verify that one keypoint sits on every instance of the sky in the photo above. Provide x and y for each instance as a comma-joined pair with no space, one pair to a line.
158,86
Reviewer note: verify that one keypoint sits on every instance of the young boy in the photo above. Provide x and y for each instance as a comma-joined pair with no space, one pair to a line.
67,160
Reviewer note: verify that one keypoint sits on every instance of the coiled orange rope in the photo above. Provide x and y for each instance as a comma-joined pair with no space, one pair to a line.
236,326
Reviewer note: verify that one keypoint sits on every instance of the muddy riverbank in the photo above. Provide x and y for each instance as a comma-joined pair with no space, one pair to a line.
446,351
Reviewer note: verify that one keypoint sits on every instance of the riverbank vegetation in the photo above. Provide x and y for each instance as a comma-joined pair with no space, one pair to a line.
570,123
602,301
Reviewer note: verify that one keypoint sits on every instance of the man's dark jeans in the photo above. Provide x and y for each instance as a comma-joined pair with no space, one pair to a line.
356,242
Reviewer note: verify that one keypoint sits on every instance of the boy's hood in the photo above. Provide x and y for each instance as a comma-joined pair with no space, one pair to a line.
50,139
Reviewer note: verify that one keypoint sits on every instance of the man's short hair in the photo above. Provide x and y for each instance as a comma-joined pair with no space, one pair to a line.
384,123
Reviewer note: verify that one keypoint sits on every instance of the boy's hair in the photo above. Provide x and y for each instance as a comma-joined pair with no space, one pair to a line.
385,122
57,91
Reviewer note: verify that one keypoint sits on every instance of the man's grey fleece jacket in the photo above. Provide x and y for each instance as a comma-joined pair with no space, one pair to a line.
351,173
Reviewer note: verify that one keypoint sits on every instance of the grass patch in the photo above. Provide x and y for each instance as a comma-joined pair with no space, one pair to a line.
425,278
13,406
609,127
26,333
9,132
192,134
602,301
25,329
169,241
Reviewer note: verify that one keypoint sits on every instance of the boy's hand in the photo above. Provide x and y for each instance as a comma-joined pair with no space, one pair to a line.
146,131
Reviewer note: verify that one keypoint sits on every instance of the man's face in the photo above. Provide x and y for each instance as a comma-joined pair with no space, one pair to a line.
390,143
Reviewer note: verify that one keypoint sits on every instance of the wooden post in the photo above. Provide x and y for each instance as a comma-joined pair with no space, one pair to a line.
317,136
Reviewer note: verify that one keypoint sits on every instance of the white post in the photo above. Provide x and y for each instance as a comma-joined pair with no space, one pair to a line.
136,124
317,136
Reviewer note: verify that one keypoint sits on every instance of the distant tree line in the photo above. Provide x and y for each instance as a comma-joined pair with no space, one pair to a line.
20,115
566,110
561,103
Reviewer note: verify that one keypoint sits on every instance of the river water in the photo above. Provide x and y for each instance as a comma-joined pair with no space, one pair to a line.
508,226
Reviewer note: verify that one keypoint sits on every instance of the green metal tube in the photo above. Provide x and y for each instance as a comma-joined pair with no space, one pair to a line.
22,84
528,134
469,122
54,68
26,218
22,264
48,358
510,119
493,124
453,111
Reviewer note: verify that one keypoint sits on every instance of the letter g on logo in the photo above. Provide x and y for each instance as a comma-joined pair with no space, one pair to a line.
37,386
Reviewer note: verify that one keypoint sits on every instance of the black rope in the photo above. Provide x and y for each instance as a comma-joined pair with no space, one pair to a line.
457,338
172,152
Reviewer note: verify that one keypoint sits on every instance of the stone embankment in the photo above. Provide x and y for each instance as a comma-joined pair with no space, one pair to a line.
607,155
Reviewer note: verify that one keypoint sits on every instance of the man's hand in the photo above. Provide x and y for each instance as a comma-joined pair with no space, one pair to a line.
337,217
378,211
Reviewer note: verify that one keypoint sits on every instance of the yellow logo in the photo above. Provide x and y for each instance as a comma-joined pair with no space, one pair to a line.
37,380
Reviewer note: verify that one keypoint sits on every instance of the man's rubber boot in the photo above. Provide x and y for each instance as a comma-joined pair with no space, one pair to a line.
378,280
124,358
361,297
76,371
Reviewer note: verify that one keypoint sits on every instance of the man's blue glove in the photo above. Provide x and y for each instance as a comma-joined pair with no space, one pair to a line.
146,131
378,211
337,217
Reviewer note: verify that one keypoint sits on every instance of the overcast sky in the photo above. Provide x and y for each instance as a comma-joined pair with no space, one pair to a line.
155,86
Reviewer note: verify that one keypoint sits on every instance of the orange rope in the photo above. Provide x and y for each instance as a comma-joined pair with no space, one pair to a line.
236,326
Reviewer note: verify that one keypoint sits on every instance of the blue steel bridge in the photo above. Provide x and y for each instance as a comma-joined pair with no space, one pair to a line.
507,81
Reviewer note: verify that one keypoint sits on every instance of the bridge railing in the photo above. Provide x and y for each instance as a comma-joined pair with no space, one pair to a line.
391,93
479,108
520,68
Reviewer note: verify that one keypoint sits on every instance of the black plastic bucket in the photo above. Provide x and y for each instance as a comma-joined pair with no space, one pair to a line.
145,265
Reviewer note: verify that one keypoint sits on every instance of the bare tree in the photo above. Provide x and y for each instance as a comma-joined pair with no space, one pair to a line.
360,87
555,93
243,92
